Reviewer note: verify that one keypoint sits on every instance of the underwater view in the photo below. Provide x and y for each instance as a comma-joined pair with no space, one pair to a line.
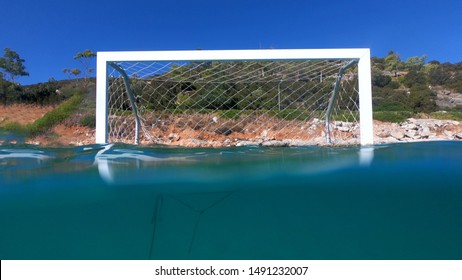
117,201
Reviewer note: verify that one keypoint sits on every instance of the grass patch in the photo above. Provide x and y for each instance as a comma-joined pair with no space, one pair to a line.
55,116
15,127
49,120
345,116
443,115
290,114
392,116
231,114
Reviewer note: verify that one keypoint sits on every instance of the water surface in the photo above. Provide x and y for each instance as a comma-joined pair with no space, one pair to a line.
400,201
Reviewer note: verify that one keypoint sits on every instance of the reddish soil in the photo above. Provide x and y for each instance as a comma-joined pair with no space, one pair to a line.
59,135
206,131
62,135
22,114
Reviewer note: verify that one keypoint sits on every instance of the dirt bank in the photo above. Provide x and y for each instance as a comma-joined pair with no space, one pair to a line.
22,114
311,133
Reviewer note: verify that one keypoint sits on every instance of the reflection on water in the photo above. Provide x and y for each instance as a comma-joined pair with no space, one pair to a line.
204,165
127,202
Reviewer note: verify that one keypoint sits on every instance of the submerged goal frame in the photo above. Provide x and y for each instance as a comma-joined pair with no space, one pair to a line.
361,56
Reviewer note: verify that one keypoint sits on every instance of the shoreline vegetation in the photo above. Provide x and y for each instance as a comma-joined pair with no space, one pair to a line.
412,101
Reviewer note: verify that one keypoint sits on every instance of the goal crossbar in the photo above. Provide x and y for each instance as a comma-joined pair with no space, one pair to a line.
361,56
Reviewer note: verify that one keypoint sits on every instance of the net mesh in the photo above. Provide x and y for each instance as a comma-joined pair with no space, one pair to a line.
226,103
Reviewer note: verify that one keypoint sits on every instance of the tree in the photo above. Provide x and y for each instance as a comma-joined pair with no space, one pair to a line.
12,65
415,62
393,62
68,72
85,59
415,78
438,75
72,72
76,72
380,80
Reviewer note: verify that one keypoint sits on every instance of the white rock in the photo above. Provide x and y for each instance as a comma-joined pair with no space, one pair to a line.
173,136
384,140
448,133
247,143
409,126
274,143
411,134
343,128
295,142
397,134
425,130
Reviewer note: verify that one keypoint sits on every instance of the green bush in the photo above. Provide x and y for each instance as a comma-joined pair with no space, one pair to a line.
88,121
456,84
393,85
380,80
422,99
438,76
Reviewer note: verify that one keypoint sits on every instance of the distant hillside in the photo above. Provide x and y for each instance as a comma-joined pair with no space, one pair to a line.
48,93
415,85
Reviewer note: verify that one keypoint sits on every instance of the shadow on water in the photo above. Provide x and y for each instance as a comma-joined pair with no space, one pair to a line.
125,202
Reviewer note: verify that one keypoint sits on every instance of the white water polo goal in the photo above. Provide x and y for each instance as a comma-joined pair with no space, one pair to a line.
235,97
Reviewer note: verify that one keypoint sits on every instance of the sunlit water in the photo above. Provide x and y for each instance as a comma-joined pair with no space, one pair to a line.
401,201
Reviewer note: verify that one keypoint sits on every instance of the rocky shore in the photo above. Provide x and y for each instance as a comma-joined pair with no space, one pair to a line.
417,130
344,133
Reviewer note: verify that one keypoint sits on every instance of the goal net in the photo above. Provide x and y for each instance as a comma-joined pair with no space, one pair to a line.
232,98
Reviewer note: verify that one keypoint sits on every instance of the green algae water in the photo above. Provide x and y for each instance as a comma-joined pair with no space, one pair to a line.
400,201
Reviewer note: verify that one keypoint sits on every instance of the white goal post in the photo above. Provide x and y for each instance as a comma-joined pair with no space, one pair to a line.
123,70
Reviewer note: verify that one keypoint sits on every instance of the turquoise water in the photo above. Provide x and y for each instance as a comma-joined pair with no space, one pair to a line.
400,201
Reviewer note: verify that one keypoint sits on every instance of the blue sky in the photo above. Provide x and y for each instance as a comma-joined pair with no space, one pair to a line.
48,33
